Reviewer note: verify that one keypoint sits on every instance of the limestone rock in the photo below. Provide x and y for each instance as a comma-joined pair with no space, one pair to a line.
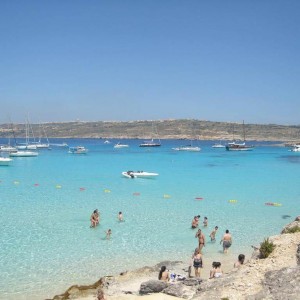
152,286
287,227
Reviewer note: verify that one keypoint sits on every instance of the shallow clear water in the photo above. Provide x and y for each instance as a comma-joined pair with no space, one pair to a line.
46,242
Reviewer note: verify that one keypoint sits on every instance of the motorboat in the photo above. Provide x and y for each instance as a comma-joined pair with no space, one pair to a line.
78,150
23,154
118,145
187,148
5,161
296,148
106,142
139,174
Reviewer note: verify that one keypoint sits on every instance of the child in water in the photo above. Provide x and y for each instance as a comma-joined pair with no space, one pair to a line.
213,234
205,222
108,234
120,217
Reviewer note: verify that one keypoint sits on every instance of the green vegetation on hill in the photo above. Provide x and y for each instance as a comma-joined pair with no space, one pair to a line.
171,129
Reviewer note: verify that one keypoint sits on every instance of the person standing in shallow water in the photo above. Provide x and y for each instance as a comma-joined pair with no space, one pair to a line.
213,234
227,241
197,263
201,239
95,218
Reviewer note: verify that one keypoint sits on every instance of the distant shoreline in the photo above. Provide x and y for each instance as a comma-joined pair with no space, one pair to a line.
163,129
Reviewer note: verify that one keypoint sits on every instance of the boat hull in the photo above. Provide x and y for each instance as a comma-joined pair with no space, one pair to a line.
5,161
188,149
130,174
23,154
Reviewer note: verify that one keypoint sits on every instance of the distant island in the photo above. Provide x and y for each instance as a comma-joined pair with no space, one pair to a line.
164,129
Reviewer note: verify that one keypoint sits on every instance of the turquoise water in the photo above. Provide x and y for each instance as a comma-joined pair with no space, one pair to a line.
46,242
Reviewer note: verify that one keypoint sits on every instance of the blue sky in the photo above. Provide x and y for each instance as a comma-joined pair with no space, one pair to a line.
232,60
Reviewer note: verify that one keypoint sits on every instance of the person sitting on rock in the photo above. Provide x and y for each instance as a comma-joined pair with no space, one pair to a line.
216,271
240,262
163,274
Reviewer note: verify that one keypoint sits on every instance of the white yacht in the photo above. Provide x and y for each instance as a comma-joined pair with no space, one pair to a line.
8,148
23,154
139,174
5,161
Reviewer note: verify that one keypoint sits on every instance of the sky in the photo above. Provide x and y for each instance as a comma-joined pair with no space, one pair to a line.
94,60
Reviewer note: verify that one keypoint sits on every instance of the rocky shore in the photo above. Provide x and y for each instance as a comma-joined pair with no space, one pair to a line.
274,277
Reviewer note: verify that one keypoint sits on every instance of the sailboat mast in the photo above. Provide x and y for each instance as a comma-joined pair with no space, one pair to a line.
244,131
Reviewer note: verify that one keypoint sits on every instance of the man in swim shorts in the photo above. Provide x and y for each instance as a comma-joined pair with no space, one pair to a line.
201,239
227,241
95,218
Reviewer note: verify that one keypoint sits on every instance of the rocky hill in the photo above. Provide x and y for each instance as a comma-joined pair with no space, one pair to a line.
164,129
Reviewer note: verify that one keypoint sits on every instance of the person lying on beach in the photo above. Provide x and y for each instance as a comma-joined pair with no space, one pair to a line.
120,216
108,234
95,218
205,222
240,262
213,234
227,241
195,222
216,271
201,239
197,263
163,274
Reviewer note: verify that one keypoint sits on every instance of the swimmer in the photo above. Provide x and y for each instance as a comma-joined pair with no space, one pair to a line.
95,218
240,262
108,234
213,234
227,241
120,216
201,239
205,222
195,222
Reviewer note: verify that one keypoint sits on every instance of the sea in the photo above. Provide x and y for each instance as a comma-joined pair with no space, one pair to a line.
46,241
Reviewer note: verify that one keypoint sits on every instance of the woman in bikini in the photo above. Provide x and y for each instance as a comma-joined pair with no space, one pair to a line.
216,271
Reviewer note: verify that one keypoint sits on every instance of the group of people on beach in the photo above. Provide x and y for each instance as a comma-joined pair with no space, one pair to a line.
197,259
95,221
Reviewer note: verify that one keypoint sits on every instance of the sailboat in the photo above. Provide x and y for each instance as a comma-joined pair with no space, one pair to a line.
218,145
151,143
39,144
234,146
8,147
27,145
